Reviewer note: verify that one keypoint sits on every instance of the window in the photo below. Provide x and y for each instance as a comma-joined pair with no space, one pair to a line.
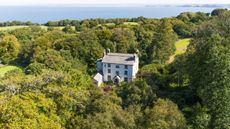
109,65
109,70
126,79
126,72
109,78
117,66
126,66
117,73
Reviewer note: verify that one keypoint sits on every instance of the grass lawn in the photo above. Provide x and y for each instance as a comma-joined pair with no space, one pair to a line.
5,69
9,28
60,27
125,23
181,47
110,24
131,23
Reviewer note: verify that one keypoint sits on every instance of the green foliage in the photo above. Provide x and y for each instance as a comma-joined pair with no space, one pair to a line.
137,93
105,112
68,29
28,110
51,59
155,75
163,44
125,40
197,17
9,48
209,70
218,12
5,69
182,29
164,115
200,118
145,36
54,89
35,68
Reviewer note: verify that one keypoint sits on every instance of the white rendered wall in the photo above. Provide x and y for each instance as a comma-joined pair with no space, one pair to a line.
121,70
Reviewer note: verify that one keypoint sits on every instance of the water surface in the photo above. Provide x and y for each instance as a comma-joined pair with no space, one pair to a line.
44,14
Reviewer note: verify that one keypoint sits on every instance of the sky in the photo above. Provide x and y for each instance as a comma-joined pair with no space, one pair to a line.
98,2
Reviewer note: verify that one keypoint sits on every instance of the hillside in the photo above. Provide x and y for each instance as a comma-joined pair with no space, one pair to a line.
46,80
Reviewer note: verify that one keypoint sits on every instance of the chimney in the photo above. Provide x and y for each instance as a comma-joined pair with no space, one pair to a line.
135,57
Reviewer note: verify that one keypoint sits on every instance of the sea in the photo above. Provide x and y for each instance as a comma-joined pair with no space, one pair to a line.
42,14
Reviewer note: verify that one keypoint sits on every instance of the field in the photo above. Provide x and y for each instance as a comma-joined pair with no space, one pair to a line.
181,47
9,28
5,69
131,23
125,23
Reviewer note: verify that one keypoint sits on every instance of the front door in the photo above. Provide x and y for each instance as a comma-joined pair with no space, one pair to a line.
116,80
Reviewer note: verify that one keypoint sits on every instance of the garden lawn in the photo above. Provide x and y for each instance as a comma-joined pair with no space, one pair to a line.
131,23
9,28
5,69
181,47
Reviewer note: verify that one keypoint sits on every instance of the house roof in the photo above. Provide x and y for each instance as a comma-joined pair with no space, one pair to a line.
119,58
98,77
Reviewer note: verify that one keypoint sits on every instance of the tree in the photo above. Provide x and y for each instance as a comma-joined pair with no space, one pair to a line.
209,71
9,48
105,39
90,49
164,115
51,59
68,29
105,111
145,36
200,118
28,110
137,93
182,29
163,44
218,12
125,40
208,67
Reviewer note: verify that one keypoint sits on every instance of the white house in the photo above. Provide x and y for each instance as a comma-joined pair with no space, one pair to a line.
116,67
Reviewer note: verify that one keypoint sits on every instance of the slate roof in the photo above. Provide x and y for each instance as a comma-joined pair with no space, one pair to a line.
119,58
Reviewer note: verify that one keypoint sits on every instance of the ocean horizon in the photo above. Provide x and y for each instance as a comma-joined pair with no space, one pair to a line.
43,14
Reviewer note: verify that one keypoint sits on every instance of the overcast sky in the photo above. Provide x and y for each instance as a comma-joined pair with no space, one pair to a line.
57,2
